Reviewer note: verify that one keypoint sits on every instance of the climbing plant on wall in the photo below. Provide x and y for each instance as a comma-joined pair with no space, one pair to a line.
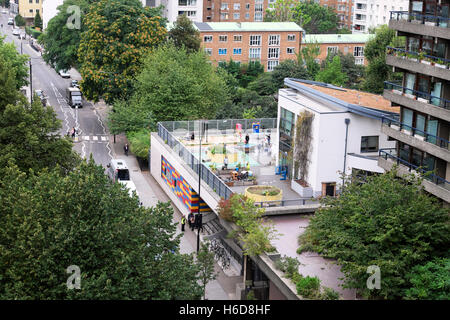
302,144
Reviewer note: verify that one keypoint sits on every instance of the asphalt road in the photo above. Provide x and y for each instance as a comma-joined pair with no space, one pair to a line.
93,137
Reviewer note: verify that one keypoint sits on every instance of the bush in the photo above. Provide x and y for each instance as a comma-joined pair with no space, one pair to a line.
329,294
139,142
308,287
19,20
288,265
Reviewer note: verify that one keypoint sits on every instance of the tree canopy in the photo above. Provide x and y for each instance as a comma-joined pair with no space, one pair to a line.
386,222
333,73
118,34
184,34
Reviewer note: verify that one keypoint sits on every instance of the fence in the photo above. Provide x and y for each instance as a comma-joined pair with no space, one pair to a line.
439,21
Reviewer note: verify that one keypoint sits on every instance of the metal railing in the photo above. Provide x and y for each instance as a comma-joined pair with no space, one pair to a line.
207,175
438,21
419,56
430,138
392,154
287,202
434,100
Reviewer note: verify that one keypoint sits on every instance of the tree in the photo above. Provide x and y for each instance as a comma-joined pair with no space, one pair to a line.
377,70
61,39
307,57
205,261
315,19
139,142
38,21
288,69
243,73
184,34
19,20
354,72
332,73
280,12
173,85
387,222
16,62
124,251
118,35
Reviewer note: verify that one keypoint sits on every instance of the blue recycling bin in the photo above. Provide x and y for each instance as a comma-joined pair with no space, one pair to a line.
256,126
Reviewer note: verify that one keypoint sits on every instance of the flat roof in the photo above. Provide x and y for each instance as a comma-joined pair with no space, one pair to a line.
337,38
350,98
247,26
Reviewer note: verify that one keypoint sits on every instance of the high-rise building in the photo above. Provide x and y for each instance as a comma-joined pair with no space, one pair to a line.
235,10
423,130
344,10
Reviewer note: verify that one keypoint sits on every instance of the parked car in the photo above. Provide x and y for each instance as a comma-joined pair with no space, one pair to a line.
64,73
10,21
74,84
16,32
74,97
42,96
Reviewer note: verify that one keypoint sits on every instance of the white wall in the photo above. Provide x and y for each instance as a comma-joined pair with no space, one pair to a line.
49,10
376,13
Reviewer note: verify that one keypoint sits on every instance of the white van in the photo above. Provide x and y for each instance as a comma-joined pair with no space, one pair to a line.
118,172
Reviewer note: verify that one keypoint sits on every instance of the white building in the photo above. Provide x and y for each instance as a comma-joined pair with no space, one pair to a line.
345,133
173,8
49,10
372,13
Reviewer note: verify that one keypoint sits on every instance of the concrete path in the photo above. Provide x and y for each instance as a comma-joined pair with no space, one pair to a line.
223,288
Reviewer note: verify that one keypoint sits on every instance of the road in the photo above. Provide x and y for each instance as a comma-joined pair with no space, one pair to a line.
93,137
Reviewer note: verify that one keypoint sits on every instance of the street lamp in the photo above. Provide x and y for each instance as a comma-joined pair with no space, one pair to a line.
198,218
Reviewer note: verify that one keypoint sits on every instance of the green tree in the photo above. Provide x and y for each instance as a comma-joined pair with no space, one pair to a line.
60,39
139,142
205,261
118,35
264,85
377,70
430,281
16,62
281,11
387,222
288,69
315,19
19,20
333,73
124,251
354,72
38,21
185,34
173,85
307,57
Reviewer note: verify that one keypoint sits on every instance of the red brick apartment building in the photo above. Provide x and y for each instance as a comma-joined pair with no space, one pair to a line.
268,42
235,10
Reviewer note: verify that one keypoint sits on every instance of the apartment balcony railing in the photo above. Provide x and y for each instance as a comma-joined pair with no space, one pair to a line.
438,21
428,175
419,56
417,95
430,138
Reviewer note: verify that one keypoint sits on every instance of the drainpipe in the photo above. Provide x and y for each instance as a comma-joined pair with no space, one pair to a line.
347,122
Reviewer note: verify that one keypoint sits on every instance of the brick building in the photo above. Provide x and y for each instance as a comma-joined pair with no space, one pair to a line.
268,42
344,10
235,10
345,43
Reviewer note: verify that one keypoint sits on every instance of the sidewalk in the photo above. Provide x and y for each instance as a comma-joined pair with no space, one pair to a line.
224,287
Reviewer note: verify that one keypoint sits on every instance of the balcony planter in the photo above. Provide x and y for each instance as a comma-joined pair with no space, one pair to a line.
411,96
439,65
430,23
418,136
426,62
302,188
422,100
397,92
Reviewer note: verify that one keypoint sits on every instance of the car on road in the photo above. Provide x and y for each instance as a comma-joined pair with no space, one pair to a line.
64,73
16,32
74,84
10,21
42,96
117,171
4,11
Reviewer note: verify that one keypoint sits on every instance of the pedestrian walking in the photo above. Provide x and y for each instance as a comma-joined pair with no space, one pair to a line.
73,132
189,219
247,138
183,223
125,149
192,222
268,139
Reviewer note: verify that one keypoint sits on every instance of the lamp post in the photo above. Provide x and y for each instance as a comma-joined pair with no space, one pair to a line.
198,218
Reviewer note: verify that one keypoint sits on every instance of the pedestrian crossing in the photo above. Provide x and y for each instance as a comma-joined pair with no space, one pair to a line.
93,139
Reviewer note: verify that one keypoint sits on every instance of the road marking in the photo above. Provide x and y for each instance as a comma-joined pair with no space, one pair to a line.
95,138
104,138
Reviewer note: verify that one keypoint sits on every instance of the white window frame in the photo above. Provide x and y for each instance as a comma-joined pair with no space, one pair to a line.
333,49
358,51
274,40
223,54
237,6
255,40
224,6
291,37
252,51
222,37
237,38
208,51
273,53
271,64
209,37
292,49
238,54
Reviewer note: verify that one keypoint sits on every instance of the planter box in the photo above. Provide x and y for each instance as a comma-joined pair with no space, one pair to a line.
426,62
440,65
422,100
411,96
274,256
418,136
303,191
397,92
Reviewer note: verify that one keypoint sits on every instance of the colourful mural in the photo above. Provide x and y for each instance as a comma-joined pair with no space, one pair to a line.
181,188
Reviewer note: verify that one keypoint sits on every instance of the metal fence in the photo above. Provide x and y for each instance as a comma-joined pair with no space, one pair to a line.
439,21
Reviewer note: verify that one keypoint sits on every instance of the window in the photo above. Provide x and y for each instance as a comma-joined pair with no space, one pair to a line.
224,6
188,13
271,64
237,50
291,37
247,16
255,40
222,51
224,16
247,6
187,2
369,144
207,38
258,16
255,53
359,61
237,6
237,38
236,16
274,40
290,50
208,51
223,38
358,52
332,50
274,53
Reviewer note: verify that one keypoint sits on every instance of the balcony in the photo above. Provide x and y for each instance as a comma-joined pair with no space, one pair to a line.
432,183
418,62
427,25
417,100
437,146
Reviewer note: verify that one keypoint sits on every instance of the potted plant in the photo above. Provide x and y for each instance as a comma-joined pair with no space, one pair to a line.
440,64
